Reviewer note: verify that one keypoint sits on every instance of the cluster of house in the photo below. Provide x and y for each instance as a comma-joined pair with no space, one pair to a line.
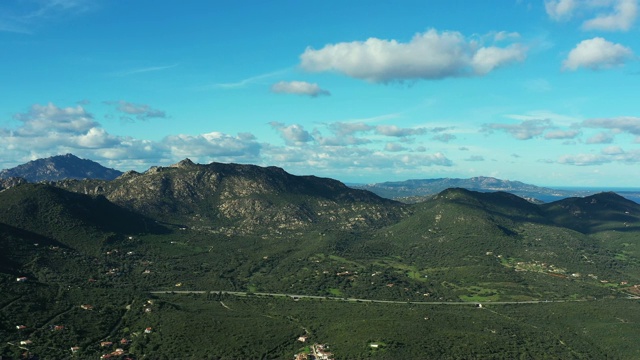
115,353
316,352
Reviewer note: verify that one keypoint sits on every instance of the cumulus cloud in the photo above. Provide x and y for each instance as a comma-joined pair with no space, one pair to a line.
561,134
583,159
212,145
600,138
49,118
392,130
299,88
621,18
526,130
46,130
292,134
609,15
429,55
394,147
625,124
560,9
596,54
611,154
445,138
141,112
349,128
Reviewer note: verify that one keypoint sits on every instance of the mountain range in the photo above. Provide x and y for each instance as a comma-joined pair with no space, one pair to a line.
65,167
108,259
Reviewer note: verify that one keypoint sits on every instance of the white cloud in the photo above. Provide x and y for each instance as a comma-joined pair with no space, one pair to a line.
487,59
429,55
47,130
293,134
622,18
583,159
298,87
505,35
526,130
392,130
612,150
609,15
560,9
600,138
141,112
596,54
611,154
52,119
561,134
211,145
394,147
349,128
445,138
626,124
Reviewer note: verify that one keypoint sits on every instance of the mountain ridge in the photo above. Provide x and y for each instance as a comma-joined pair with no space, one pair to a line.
60,167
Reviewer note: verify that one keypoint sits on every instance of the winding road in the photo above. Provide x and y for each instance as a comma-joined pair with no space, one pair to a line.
295,296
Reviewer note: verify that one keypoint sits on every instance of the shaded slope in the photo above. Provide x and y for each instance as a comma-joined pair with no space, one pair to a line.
599,212
77,220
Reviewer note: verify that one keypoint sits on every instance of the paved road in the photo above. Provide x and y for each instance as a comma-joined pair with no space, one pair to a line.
294,296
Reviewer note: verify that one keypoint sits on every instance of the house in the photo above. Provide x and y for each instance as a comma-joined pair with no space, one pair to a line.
75,349
147,330
117,352
21,279
26,342
302,338
106,343
374,345
86,307
58,327
105,356
21,327
124,341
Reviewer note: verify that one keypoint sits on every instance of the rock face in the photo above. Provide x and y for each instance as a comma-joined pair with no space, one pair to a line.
11,182
60,167
242,199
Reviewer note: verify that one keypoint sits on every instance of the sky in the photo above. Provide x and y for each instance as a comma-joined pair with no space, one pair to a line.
540,91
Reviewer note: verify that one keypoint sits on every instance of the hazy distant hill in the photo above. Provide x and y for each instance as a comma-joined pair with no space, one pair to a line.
418,188
60,167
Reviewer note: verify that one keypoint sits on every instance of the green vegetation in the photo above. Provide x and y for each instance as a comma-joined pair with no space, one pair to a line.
431,265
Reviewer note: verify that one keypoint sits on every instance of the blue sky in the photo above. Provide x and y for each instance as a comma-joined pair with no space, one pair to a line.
544,92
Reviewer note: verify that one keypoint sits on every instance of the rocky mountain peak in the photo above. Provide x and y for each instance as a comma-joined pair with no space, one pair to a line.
60,167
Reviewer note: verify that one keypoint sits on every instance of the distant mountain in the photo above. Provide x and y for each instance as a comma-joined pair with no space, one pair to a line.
60,167
598,212
233,198
419,188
